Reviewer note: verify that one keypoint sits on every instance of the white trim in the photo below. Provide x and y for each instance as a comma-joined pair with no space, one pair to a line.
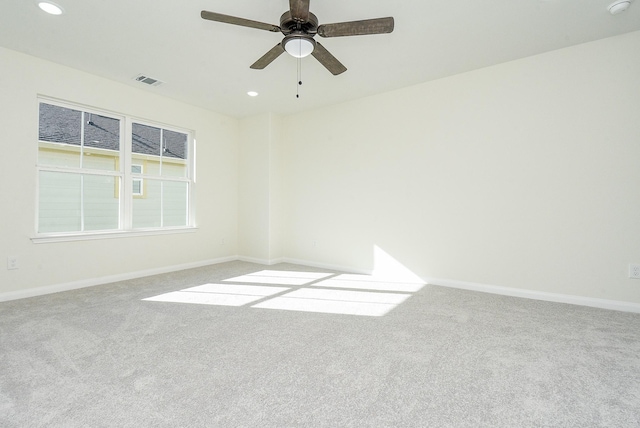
56,288
267,262
87,236
307,263
327,266
615,305
135,177
126,186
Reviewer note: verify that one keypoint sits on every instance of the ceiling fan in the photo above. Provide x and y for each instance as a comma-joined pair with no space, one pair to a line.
299,26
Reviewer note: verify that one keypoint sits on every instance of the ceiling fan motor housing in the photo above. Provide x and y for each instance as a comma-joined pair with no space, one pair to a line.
289,25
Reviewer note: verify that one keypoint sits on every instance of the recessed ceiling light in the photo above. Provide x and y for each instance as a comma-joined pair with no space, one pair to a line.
619,6
252,93
50,8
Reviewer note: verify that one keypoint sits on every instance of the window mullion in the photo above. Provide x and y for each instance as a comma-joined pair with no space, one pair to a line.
82,140
82,202
162,143
126,195
82,211
78,170
191,174
161,202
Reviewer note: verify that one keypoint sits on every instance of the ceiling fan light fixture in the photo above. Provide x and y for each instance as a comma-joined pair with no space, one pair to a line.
299,46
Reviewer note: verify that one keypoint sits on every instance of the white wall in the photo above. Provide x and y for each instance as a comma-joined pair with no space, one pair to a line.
253,189
277,218
22,79
260,189
520,175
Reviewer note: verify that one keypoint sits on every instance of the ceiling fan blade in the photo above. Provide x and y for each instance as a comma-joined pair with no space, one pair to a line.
329,61
268,58
218,17
357,28
299,10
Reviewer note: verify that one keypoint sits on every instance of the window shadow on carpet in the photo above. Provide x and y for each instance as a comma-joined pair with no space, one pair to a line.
331,293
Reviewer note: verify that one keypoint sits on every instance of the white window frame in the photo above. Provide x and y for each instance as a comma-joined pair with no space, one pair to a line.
135,178
124,174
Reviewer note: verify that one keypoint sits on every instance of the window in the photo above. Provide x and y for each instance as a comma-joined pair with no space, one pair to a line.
85,158
136,172
162,154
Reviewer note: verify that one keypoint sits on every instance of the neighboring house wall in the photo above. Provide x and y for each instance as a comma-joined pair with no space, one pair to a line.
59,194
59,201
22,80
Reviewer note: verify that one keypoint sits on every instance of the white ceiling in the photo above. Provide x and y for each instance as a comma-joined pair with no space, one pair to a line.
206,63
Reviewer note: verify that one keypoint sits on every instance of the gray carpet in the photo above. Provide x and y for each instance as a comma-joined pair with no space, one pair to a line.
103,357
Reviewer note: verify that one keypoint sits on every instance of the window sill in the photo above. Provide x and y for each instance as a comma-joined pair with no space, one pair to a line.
68,237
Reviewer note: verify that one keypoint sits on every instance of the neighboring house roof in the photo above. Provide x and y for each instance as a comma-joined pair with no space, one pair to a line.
64,125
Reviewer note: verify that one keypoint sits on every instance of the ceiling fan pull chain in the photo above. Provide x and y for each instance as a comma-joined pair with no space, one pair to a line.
299,78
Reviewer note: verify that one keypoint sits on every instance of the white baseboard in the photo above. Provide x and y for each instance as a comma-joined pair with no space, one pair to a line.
267,262
472,286
327,266
615,305
56,288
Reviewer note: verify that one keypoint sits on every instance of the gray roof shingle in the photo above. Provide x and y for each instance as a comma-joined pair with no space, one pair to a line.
64,125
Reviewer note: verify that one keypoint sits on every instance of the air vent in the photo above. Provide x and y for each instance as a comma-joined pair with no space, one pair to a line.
147,80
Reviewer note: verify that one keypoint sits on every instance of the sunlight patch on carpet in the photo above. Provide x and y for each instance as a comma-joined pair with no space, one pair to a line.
219,294
367,282
335,302
375,295
280,277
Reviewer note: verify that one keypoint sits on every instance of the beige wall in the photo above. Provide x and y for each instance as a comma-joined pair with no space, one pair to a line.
253,189
520,175
260,189
22,79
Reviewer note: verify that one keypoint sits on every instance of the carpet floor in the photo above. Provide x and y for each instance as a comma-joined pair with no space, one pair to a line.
244,345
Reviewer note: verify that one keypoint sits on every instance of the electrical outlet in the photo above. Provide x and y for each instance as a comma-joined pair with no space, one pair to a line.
634,271
12,262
